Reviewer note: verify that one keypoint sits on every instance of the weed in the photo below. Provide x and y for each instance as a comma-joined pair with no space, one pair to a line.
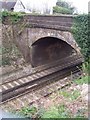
70,95
56,112
86,67
28,111
83,80
75,94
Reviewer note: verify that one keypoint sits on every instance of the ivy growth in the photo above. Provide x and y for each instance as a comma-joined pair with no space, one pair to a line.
81,32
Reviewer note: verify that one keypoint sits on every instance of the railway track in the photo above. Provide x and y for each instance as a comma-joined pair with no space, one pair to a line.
39,69
19,87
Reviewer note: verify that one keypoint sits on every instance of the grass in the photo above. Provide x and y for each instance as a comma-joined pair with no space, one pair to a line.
56,112
70,95
28,111
83,80
60,112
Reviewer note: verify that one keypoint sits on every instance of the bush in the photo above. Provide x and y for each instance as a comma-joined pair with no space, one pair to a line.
62,10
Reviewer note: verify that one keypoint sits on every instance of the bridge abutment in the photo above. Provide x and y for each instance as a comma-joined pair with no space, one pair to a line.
41,44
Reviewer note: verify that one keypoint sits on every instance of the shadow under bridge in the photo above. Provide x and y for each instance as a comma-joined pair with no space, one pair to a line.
49,49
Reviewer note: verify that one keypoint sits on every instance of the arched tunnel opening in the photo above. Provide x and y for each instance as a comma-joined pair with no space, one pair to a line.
49,49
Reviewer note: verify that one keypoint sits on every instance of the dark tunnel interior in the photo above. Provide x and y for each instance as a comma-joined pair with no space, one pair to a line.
49,49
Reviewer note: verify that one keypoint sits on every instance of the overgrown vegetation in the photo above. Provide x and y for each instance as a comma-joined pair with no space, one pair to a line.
81,32
63,7
9,54
13,16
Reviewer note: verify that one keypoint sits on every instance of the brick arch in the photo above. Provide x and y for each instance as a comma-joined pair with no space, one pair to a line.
61,39
61,35
50,49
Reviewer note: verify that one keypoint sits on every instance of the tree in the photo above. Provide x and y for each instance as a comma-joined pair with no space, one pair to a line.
64,8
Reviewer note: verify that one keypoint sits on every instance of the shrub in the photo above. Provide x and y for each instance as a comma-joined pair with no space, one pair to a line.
62,10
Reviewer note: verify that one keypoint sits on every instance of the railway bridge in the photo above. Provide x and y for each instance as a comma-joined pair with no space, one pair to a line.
48,44
44,39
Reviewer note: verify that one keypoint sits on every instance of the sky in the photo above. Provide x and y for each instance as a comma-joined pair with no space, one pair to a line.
81,5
